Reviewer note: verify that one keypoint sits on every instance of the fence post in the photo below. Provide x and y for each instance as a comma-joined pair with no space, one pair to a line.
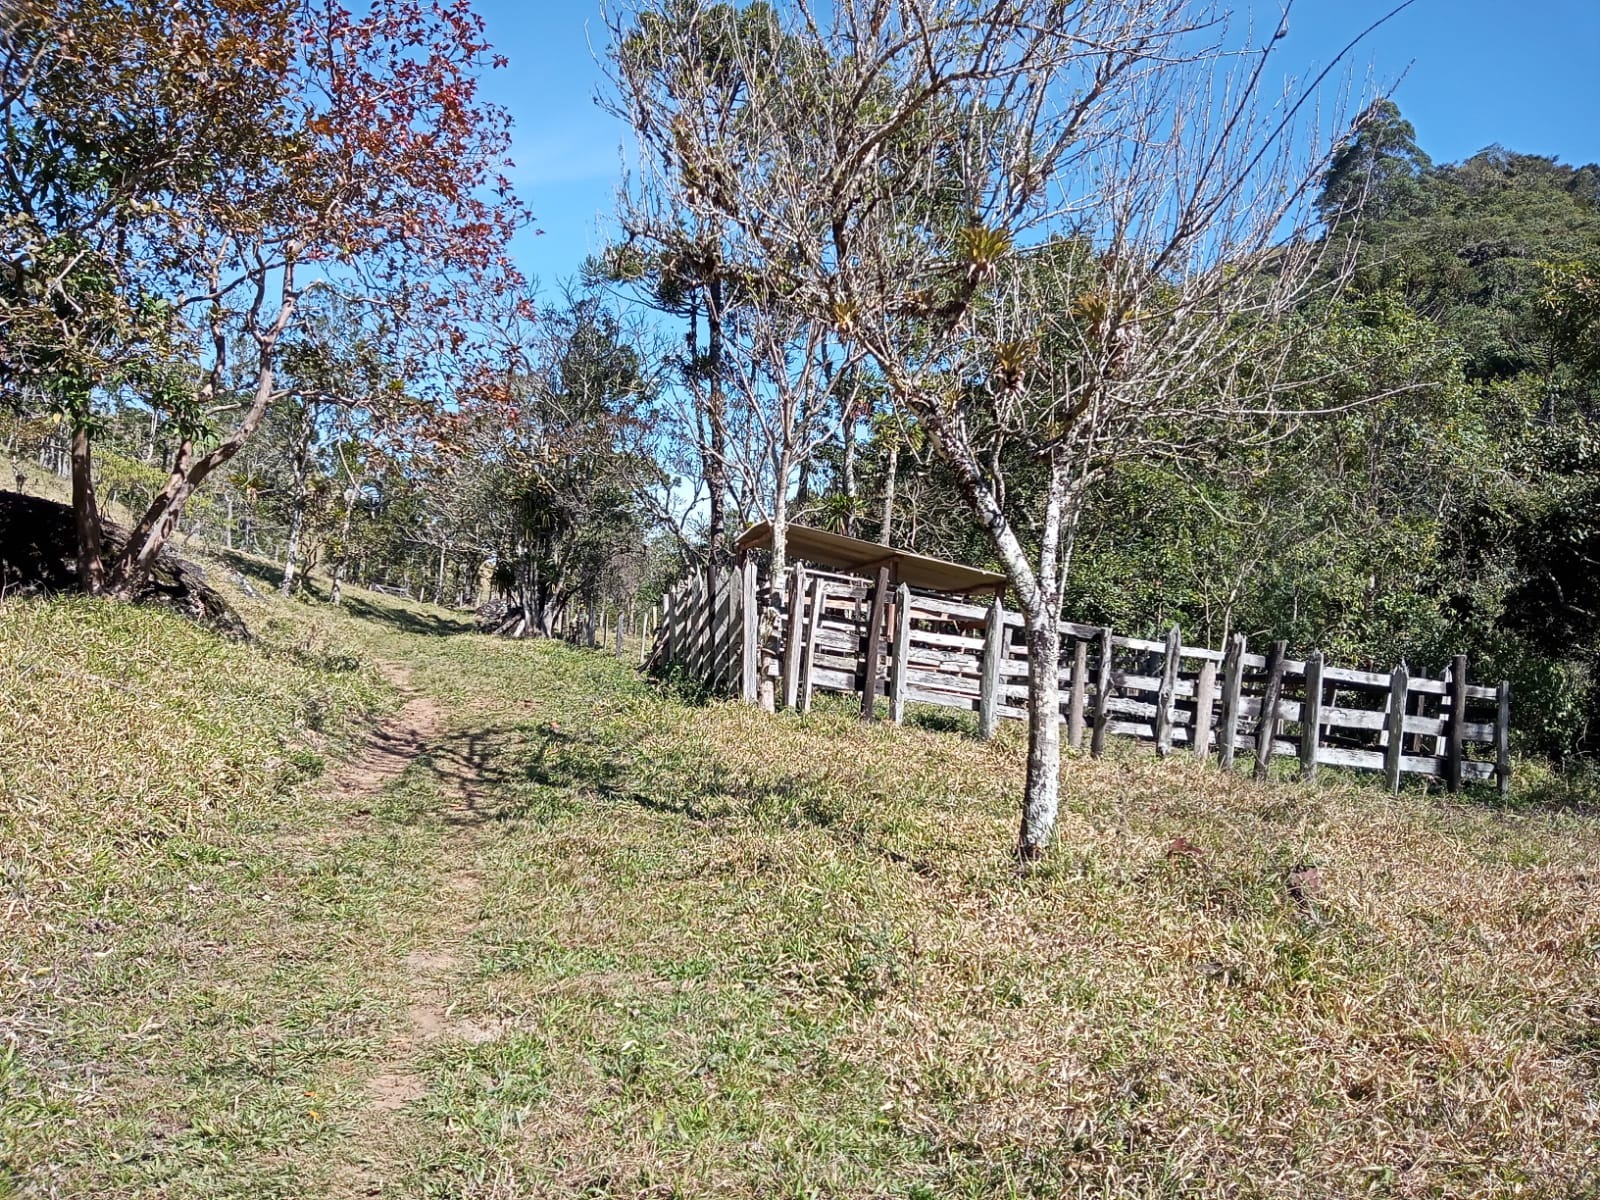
809,659
1102,695
989,677
1399,682
793,637
1502,740
1165,693
1232,688
1080,686
669,621
1457,730
751,616
869,676
1267,722
1311,717
899,654
700,622
1205,695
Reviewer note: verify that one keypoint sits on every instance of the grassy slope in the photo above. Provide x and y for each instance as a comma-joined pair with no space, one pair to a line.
690,950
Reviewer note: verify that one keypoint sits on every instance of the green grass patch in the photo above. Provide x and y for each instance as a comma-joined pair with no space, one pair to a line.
694,950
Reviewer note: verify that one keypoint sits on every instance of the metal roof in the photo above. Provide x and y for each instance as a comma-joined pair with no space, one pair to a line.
855,556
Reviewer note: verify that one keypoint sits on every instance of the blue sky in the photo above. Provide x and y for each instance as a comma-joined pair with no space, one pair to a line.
1468,75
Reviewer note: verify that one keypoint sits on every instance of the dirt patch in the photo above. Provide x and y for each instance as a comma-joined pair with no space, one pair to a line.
391,747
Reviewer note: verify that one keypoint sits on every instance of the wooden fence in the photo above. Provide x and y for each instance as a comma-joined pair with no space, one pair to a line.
849,635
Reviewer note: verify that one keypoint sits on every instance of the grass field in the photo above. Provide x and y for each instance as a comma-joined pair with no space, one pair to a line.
565,933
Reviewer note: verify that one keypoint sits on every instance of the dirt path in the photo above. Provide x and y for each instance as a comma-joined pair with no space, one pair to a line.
392,746
424,979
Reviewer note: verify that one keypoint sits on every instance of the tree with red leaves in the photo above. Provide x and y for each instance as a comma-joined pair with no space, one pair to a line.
179,176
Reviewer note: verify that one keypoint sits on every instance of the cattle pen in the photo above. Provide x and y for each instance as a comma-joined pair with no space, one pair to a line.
896,645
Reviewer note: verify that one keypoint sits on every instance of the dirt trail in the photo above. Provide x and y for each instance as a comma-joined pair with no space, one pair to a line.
392,746
423,979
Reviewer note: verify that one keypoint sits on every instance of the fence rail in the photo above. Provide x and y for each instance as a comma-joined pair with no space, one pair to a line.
848,635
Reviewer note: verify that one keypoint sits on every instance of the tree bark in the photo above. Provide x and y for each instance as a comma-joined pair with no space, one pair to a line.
886,529
86,514
715,457
336,595
297,507
1041,796
847,435
150,535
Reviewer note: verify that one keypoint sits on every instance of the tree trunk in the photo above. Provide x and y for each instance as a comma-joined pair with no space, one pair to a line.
1042,791
336,596
847,434
86,514
298,496
886,530
715,460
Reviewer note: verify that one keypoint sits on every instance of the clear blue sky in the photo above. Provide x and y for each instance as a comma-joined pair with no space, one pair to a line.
1470,73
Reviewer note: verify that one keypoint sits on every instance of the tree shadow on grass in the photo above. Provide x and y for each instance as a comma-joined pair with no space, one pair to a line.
536,770
407,620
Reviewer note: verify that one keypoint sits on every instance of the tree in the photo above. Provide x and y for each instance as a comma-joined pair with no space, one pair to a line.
558,471
209,166
1042,228
1379,172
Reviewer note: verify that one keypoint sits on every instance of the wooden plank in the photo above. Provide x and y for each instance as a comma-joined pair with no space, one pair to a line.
1205,692
668,624
1455,739
935,609
1396,728
1164,696
920,695
1311,717
832,679
949,641
899,651
1427,764
1181,688
993,652
1102,694
808,657
1502,739
1359,678
869,676
1135,643
794,632
1145,708
1080,687
1267,723
1343,756
1354,718
1232,682
750,616
1253,706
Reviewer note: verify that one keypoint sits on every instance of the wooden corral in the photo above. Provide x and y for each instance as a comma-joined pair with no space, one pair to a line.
843,634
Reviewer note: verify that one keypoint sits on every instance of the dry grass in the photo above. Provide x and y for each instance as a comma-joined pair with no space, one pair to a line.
683,950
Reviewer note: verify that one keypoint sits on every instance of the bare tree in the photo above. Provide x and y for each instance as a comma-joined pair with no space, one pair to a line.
1074,234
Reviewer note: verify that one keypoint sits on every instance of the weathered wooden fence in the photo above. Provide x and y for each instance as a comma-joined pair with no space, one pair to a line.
848,635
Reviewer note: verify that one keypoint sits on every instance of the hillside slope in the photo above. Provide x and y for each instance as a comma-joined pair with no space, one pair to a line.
558,932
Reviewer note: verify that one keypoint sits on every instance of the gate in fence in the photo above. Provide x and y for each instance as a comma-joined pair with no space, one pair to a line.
843,634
